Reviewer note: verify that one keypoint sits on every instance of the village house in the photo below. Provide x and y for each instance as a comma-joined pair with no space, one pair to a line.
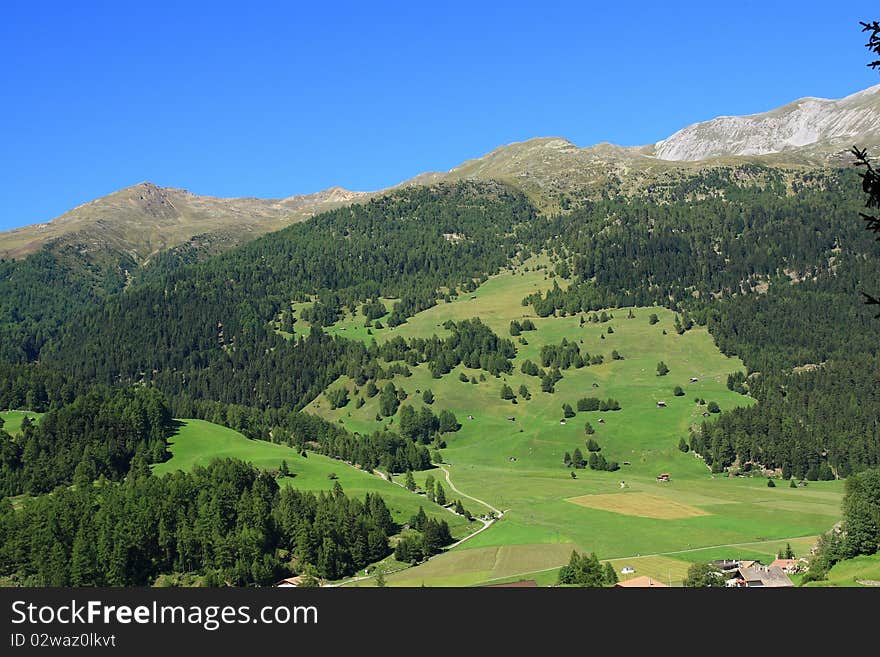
759,576
788,566
727,565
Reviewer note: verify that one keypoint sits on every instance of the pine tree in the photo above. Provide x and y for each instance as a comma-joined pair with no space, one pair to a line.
410,482
440,496
662,369
611,574
429,487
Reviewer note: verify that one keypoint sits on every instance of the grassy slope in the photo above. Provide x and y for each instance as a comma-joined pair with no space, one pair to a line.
852,571
534,488
12,420
197,442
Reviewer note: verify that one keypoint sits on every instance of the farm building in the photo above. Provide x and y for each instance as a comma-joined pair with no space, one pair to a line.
788,566
290,581
759,576
663,476
641,582
627,570
727,565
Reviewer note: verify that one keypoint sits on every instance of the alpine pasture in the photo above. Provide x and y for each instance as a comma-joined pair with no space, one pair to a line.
510,453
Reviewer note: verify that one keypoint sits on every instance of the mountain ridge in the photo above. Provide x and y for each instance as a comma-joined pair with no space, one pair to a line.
145,219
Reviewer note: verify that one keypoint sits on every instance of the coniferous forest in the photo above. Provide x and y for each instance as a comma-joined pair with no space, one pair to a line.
772,262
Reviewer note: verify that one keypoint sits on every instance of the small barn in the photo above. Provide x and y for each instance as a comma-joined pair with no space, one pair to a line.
290,581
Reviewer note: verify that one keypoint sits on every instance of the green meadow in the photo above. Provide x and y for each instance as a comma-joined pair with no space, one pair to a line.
12,420
197,442
511,454
860,571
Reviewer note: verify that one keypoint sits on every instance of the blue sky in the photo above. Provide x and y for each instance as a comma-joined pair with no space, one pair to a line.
273,99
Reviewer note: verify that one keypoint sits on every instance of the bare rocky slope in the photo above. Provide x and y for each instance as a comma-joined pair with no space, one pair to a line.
815,125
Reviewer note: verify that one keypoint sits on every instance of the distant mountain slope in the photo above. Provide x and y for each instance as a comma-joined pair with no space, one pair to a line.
145,219
810,132
816,125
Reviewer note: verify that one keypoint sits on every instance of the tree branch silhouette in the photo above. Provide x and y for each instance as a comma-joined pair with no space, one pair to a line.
870,176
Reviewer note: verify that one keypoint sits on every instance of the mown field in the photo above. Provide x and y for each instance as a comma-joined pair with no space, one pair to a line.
517,465
197,442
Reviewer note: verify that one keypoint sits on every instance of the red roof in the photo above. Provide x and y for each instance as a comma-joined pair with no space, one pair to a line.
641,582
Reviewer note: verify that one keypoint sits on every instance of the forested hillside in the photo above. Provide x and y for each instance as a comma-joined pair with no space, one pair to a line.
227,522
771,263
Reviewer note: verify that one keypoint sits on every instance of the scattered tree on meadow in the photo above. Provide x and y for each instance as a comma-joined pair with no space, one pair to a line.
410,481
